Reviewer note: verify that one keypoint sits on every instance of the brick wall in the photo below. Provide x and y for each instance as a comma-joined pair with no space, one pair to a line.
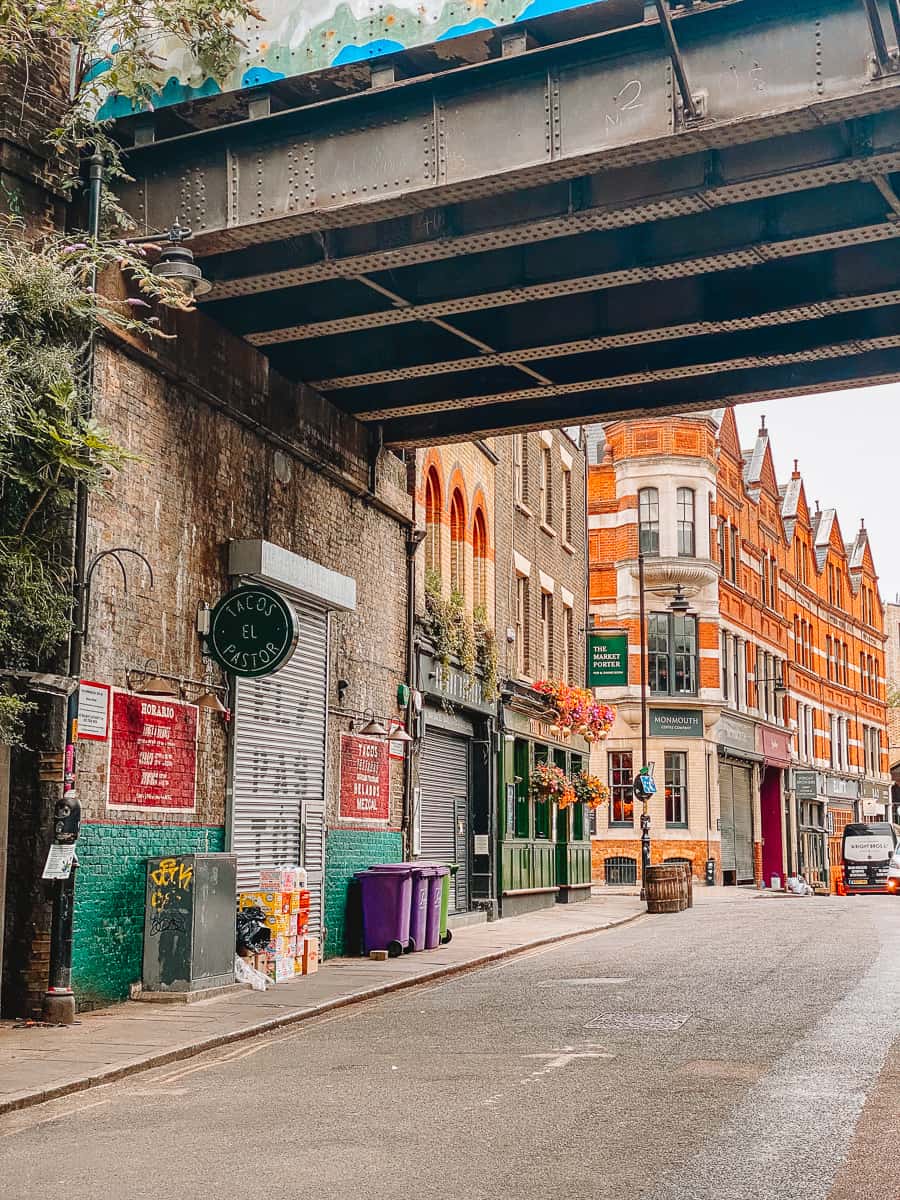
348,851
520,531
661,850
110,896
221,449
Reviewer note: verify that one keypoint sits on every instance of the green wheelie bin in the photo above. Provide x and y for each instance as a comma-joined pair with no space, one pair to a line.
447,934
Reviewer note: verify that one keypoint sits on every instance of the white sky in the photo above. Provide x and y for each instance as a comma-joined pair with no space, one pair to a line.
848,447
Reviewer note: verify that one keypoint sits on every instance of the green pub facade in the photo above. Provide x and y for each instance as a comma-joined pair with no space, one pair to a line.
544,851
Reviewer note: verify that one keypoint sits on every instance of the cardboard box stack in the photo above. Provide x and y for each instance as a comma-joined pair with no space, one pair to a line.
284,898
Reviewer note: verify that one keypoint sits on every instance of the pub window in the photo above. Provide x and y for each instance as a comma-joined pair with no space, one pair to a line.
672,654
432,522
567,505
523,808
457,544
676,789
541,807
568,644
521,624
546,634
546,492
621,780
648,516
724,666
685,502
519,468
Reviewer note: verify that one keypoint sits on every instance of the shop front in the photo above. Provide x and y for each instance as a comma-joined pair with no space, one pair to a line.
544,841
816,850
739,765
874,801
453,807
774,745
278,746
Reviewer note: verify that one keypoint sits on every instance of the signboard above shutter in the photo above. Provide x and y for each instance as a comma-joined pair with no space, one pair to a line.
252,631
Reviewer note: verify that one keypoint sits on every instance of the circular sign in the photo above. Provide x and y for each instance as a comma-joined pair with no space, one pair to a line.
252,631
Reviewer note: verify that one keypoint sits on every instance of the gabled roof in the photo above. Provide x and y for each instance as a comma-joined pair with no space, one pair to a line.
729,442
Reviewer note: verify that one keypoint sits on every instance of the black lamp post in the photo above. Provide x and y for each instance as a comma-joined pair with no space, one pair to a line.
679,605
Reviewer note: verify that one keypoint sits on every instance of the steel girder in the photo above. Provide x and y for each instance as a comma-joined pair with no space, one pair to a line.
532,240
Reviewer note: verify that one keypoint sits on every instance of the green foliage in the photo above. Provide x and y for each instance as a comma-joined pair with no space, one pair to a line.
50,305
118,47
13,710
49,444
471,643
486,653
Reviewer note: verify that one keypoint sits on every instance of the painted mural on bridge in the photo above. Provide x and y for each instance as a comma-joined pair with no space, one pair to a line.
299,36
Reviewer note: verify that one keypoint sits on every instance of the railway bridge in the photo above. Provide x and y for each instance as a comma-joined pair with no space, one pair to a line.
642,208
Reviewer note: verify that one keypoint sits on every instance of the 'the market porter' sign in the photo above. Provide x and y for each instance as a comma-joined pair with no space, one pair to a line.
252,631
608,660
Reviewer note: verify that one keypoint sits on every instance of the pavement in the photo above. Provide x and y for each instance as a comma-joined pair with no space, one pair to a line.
39,1063
743,1050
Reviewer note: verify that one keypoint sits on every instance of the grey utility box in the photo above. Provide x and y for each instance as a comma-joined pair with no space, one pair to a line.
189,923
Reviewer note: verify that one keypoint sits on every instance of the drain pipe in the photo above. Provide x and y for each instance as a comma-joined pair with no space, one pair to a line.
414,540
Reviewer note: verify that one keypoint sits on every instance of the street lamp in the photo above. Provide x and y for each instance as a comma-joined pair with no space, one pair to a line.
679,605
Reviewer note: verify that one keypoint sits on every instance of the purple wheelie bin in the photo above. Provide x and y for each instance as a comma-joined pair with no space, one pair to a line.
418,912
386,896
433,922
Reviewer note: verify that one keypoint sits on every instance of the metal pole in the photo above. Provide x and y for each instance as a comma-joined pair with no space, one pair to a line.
895,18
59,999
877,34
645,812
665,21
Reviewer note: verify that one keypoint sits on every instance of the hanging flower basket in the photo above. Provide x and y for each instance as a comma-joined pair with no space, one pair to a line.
590,790
576,711
549,782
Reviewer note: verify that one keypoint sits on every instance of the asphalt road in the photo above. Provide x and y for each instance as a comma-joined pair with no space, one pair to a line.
739,1051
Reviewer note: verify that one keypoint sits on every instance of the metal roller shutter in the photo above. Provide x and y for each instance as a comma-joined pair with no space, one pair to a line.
743,824
726,816
278,762
444,807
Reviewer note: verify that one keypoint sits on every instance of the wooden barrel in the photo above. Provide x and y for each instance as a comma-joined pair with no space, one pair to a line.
689,883
666,888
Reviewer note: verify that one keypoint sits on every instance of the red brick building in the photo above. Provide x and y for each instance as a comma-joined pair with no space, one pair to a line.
767,719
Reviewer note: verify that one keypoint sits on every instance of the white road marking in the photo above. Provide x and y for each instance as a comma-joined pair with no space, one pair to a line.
565,1056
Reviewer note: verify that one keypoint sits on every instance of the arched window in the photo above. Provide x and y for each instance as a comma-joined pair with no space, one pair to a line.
432,521
479,561
457,544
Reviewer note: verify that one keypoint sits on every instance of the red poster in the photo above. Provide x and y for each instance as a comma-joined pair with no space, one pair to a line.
365,779
153,753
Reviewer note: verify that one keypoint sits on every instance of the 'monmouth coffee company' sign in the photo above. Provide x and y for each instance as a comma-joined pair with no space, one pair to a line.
676,722
252,631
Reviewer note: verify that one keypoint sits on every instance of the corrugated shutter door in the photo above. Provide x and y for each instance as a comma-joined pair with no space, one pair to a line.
726,816
743,824
444,807
278,763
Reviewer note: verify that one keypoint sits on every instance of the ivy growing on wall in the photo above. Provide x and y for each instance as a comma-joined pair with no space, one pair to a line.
53,299
456,637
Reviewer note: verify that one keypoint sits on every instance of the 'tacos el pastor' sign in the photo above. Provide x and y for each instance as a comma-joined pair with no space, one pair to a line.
252,631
